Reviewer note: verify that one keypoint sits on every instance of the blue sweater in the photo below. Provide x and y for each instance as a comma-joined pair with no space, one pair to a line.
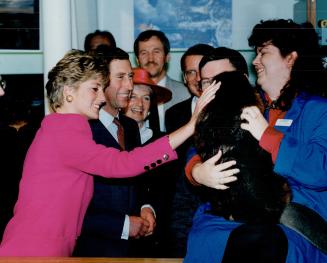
209,234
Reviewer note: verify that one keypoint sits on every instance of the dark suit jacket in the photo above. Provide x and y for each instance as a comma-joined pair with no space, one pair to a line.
112,200
186,197
176,117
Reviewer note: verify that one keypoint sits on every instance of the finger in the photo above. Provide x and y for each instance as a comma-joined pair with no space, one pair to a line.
211,90
227,180
146,223
252,111
229,173
221,185
142,232
215,158
150,228
144,229
245,126
148,234
245,116
224,166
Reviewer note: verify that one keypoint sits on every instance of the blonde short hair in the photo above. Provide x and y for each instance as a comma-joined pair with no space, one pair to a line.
74,68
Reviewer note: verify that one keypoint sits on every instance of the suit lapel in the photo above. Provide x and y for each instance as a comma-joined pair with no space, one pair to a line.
102,136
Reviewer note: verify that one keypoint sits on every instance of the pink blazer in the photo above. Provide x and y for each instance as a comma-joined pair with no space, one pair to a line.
56,185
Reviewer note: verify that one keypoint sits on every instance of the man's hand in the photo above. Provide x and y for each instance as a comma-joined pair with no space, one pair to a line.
148,215
138,227
257,123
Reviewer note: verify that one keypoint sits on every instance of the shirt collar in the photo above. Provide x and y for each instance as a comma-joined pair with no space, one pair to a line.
193,104
162,82
106,118
145,133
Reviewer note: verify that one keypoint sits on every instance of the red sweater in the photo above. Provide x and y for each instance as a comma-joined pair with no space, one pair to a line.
270,141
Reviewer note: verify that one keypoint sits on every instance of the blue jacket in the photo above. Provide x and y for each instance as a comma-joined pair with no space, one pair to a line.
209,234
302,156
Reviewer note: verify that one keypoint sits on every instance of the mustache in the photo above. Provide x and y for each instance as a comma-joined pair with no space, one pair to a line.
149,63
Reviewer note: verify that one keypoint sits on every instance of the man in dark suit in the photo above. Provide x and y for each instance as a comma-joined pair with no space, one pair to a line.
185,200
115,216
200,63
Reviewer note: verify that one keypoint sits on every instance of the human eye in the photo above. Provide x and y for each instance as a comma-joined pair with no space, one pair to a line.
120,76
206,83
95,88
190,73
143,53
130,75
147,98
158,52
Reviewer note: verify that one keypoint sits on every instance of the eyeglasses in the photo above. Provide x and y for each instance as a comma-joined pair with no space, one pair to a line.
190,73
3,83
205,83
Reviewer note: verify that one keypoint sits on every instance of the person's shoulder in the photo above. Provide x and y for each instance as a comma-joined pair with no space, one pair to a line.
171,82
314,103
181,106
127,121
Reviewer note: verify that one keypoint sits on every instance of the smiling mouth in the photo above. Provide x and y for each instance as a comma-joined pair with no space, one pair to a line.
260,70
138,111
124,95
99,106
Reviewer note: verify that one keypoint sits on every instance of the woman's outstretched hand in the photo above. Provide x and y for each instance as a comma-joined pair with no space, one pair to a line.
215,176
207,96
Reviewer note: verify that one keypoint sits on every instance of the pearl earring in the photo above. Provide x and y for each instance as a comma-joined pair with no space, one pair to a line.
69,98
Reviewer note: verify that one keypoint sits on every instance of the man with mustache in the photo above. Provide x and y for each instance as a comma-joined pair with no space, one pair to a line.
152,49
117,215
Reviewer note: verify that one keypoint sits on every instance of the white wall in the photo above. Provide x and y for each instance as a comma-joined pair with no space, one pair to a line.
117,17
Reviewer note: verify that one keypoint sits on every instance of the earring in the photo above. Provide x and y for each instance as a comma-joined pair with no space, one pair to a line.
69,98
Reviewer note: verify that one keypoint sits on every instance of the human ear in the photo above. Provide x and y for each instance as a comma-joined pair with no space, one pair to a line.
291,58
68,91
167,57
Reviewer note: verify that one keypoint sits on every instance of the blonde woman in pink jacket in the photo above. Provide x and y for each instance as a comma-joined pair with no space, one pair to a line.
56,185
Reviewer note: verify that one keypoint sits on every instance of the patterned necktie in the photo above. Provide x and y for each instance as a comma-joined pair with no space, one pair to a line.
120,133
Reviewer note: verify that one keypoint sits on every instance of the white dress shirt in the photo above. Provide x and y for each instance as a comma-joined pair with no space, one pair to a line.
107,120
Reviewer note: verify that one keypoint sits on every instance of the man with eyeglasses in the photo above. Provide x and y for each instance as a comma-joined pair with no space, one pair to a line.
184,201
200,63
220,60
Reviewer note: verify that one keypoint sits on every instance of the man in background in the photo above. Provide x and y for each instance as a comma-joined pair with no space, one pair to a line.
97,38
199,64
152,49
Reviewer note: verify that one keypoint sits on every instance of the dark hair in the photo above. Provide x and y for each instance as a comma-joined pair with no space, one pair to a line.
109,53
234,57
308,73
146,35
198,49
257,195
106,34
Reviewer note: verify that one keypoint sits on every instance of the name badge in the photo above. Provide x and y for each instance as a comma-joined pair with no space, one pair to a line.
284,122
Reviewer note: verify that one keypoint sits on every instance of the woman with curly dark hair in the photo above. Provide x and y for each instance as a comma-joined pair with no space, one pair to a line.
294,129
293,126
